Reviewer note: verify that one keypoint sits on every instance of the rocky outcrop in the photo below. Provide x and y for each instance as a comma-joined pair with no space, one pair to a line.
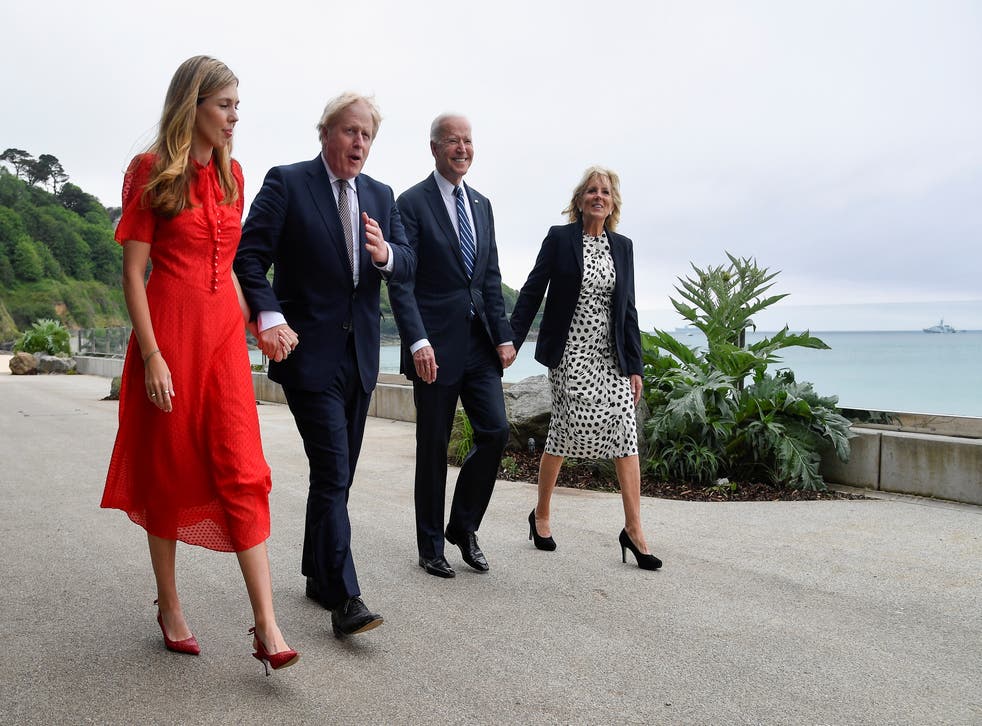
55,364
528,404
23,364
27,364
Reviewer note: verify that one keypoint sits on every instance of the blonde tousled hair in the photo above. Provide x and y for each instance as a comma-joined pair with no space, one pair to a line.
169,187
573,210
337,105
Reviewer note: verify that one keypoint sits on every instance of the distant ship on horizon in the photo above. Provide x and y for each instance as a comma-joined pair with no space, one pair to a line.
941,327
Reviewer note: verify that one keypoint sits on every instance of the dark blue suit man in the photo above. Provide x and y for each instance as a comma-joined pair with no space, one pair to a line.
332,234
455,342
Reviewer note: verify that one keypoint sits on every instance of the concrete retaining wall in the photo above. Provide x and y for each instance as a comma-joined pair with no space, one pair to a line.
943,467
97,366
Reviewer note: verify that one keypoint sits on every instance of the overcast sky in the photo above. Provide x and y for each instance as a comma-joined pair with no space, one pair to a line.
837,142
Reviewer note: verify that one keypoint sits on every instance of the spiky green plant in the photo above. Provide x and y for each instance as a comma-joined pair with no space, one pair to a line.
705,421
45,336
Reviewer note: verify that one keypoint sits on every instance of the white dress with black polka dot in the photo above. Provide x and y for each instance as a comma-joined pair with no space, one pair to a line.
592,405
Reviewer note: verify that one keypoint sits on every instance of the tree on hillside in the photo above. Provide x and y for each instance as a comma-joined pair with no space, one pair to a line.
58,177
17,158
26,260
75,200
46,169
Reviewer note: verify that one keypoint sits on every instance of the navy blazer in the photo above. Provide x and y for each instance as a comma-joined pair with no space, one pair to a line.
436,304
293,224
559,267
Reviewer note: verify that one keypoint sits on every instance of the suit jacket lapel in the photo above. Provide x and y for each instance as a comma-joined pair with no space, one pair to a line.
323,196
364,259
482,230
618,254
576,242
439,210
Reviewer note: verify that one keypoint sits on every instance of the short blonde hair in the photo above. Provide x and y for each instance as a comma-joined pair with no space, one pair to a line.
573,210
336,106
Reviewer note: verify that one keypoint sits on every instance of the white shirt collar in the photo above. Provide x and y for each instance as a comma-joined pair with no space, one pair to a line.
334,177
446,188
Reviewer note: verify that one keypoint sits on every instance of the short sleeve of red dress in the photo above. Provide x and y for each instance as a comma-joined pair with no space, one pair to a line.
138,221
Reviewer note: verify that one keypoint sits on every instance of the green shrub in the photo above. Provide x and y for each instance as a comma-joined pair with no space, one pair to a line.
705,421
45,336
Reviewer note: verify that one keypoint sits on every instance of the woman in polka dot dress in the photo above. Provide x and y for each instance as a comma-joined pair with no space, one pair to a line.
590,341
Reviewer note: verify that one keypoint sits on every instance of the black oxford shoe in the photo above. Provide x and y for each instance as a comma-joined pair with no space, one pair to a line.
437,566
467,541
352,617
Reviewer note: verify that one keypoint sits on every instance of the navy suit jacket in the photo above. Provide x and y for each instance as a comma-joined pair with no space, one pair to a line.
293,224
436,304
559,267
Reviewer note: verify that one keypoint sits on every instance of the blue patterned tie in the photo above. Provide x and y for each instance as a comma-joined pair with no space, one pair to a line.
467,247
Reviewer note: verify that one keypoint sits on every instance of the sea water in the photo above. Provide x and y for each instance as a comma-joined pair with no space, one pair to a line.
913,372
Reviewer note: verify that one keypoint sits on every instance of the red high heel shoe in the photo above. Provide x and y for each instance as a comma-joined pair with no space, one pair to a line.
188,645
283,659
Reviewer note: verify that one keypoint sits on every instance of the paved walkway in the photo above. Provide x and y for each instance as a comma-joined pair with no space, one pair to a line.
844,612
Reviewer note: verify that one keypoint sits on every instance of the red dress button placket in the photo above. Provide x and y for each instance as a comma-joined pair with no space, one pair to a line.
214,278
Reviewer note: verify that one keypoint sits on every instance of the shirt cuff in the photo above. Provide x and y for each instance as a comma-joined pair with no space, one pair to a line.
387,267
270,319
422,343
507,342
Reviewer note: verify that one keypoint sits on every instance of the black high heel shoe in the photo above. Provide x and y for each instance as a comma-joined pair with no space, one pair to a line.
543,543
645,562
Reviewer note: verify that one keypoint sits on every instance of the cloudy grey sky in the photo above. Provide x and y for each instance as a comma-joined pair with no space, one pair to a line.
839,142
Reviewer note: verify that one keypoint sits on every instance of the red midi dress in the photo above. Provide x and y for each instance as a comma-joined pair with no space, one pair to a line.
196,474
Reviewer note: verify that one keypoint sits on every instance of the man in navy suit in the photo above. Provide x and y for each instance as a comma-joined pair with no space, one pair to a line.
332,234
455,343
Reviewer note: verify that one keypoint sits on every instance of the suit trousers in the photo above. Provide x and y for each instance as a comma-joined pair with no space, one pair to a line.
479,390
331,424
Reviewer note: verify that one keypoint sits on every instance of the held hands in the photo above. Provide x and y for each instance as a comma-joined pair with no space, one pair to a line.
278,342
507,354
156,378
425,361
637,386
375,246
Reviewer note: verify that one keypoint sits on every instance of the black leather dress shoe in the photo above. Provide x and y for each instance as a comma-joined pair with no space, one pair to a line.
467,541
313,592
437,566
353,617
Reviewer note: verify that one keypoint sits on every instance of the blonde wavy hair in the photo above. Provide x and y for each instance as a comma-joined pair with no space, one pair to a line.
573,210
168,190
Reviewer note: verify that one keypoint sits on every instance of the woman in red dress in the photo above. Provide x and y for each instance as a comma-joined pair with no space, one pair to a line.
188,462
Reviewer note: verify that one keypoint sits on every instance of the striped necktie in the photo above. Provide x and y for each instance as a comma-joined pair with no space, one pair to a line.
467,247
345,213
